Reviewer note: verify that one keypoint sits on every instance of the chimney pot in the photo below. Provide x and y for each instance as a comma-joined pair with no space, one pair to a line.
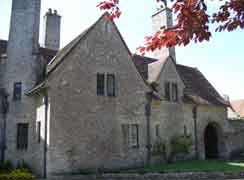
50,11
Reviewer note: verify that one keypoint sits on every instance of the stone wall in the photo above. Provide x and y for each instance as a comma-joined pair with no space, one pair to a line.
86,129
235,138
155,176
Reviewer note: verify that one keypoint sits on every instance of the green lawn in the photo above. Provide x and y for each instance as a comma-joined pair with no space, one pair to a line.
197,166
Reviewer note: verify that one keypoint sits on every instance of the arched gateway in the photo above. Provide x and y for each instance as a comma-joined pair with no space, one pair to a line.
212,140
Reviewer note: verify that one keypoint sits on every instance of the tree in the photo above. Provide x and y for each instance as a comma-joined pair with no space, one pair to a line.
192,21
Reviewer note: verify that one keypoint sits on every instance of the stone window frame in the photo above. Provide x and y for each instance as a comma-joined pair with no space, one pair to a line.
110,78
101,84
157,130
108,81
171,91
22,136
128,140
174,91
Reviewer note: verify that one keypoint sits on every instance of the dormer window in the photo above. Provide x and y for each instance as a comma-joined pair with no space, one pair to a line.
171,91
167,91
174,92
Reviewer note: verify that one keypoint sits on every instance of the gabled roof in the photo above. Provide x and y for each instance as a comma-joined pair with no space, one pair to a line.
198,88
238,107
48,54
68,48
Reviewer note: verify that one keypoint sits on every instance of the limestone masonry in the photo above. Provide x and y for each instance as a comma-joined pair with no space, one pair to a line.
92,105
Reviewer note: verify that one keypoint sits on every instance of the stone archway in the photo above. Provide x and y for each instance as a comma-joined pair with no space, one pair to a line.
212,135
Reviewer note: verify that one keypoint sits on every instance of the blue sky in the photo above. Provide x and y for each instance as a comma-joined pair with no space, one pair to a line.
221,60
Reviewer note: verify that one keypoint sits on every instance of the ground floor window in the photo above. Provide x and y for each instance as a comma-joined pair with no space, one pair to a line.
130,135
22,136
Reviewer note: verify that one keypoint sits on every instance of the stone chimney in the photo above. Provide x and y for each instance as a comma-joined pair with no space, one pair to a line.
52,23
163,18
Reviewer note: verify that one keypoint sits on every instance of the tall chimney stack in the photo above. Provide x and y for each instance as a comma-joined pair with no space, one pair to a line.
52,24
163,18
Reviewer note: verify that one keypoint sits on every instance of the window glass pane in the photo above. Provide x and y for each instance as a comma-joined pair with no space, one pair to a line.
17,91
111,85
167,91
22,136
134,135
100,84
125,132
157,130
174,92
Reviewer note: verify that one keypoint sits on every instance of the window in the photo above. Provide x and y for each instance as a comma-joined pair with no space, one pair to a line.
100,84
17,91
130,135
110,85
22,136
125,132
174,92
157,127
167,91
38,131
134,136
185,130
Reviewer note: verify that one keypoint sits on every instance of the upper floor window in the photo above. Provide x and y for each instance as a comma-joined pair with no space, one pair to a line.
167,91
106,84
110,85
100,84
171,91
174,92
17,91
22,136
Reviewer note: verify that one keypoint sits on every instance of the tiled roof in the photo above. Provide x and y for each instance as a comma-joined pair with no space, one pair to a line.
141,63
238,106
198,88
48,54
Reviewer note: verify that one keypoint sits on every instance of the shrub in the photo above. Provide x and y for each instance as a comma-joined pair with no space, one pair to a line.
23,166
17,174
181,144
6,166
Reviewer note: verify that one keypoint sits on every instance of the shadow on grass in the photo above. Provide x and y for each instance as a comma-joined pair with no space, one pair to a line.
196,166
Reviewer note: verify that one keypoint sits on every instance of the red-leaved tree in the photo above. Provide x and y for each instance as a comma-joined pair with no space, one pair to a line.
192,21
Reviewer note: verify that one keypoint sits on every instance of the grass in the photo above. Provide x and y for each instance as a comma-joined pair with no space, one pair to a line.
197,166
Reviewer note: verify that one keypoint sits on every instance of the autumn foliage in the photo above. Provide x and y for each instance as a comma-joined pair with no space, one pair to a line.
192,21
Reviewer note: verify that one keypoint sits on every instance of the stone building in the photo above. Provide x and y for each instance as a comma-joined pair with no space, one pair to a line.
92,105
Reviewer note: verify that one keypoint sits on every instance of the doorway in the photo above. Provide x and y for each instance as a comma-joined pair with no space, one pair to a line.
211,141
